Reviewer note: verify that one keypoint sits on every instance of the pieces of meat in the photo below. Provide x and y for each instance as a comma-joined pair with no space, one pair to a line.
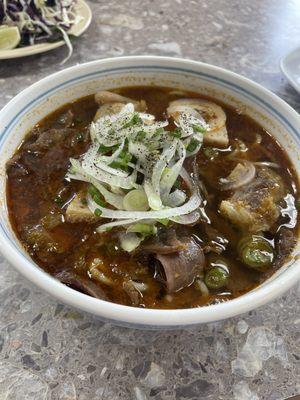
51,148
165,242
254,208
108,109
112,103
216,243
81,284
106,97
181,268
285,241
210,112
217,137
66,119
15,167
47,139
42,241
177,260
241,175
133,293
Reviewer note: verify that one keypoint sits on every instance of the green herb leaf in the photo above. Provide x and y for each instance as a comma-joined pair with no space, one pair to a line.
140,136
95,195
192,145
159,131
210,152
176,133
79,137
98,212
119,164
105,149
58,200
136,119
177,184
199,128
163,221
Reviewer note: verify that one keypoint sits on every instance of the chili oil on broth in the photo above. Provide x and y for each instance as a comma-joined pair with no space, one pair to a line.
37,195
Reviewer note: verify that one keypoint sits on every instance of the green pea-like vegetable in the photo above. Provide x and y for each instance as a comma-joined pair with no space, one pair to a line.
216,277
256,252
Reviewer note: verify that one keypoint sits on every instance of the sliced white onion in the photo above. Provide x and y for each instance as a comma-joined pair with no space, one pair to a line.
160,159
115,154
136,200
187,219
103,176
267,164
154,199
140,286
165,157
130,241
192,204
241,175
169,179
115,200
110,225
176,198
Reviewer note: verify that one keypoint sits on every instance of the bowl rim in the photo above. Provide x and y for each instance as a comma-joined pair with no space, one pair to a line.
142,317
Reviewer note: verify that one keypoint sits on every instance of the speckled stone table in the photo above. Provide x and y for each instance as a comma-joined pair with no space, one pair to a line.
48,351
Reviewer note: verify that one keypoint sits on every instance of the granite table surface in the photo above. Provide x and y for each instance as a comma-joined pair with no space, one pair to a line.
49,351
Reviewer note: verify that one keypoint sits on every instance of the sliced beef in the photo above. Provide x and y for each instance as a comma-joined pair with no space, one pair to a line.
179,269
42,242
285,241
81,284
177,258
48,139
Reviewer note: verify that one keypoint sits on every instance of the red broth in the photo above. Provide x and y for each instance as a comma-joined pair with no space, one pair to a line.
38,194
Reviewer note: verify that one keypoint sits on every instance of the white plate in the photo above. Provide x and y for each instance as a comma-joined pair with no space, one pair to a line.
82,9
290,66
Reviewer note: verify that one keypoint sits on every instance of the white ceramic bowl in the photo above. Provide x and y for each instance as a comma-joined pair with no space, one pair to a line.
43,97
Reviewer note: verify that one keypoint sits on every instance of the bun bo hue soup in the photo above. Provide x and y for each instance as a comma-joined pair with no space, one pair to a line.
153,197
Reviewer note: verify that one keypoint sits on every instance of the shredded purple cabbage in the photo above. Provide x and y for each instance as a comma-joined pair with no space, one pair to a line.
39,20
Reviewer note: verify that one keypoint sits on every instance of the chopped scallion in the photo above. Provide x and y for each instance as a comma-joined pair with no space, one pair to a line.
145,229
58,200
136,119
192,145
98,212
95,195
78,119
79,137
176,133
105,149
163,221
140,136
199,128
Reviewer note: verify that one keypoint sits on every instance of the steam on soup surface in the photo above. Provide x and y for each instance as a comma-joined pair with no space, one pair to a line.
153,197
